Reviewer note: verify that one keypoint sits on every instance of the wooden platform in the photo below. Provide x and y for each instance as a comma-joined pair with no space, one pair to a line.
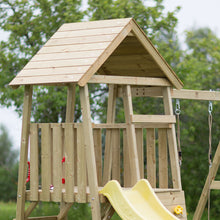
169,197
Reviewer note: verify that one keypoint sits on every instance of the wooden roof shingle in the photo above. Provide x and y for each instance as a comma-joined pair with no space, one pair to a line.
77,51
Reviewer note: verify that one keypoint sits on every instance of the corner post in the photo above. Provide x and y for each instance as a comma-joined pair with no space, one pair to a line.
171,135
131,135
70,105
90,153
24,152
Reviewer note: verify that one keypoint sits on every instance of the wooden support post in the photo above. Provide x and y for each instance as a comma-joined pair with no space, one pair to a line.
108,137
90,153
131,137
22,173
211,176
70,105
171,135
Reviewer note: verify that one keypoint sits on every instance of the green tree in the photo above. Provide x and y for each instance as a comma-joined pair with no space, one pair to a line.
8,167
8,156
199,69
30,24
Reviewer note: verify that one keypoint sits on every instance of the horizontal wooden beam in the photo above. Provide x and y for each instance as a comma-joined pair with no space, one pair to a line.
108,125
215,184
175,94
129,80
195,95
158,119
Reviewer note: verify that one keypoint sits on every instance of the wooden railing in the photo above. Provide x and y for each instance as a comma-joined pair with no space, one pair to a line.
50,143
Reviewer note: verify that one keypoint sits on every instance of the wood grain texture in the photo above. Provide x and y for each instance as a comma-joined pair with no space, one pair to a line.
108,138
57,162
81,166
171,136
163,158
90,153
151,157
46,161
69,162
34,162
97,135
116,155
22,172
131,136
101,42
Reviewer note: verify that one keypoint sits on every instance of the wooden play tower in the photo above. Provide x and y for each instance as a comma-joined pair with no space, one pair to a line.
119,54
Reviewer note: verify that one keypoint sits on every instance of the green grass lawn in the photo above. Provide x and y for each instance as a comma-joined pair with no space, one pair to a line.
7,210
76,212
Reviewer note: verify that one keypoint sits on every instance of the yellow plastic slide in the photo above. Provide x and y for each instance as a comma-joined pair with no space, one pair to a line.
138,203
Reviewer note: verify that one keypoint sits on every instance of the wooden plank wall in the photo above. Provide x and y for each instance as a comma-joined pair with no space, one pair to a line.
66,139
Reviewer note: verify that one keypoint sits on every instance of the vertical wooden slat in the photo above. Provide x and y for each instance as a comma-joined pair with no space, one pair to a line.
116,154
34,164
46,168
90,153
140,149
127,178
22,172
69,162
81,166
108,137
163,158
132,144
75,155
171,136
57,162
97,134
151,157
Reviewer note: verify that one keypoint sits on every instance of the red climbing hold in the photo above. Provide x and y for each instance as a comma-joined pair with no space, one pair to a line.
63,180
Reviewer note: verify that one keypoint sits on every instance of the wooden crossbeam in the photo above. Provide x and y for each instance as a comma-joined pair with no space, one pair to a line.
122,80
175,94
157,119
215,184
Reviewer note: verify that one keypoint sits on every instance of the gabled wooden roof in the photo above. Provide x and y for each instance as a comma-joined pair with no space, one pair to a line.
77,51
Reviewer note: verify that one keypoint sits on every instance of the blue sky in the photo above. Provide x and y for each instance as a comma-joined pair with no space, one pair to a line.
194,13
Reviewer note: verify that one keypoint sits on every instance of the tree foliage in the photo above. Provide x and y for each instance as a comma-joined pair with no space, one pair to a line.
8,167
